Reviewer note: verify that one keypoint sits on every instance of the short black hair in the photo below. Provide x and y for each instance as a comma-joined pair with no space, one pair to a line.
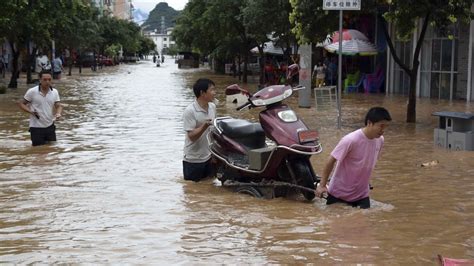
377,114
201,86
42,72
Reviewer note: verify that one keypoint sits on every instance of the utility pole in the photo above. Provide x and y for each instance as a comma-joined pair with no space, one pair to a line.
340,5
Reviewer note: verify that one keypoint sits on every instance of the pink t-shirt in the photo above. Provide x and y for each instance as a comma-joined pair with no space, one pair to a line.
356,156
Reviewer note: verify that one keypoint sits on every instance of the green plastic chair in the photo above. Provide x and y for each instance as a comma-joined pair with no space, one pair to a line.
351,80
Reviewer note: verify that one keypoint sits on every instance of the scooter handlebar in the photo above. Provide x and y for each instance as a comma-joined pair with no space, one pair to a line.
243,106
299,87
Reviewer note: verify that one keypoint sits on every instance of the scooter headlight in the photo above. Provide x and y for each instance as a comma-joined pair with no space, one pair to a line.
288,116
258,102
287,93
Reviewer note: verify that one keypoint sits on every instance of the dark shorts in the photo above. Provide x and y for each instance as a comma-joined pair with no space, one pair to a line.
197,171
41,136
362,203
56,74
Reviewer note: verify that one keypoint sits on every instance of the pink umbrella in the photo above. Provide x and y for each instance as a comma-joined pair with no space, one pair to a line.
354,42
353,47
349,34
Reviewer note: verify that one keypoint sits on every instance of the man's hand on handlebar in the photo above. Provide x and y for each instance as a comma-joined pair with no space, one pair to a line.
321,191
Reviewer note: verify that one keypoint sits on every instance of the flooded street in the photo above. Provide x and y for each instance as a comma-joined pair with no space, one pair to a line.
110,190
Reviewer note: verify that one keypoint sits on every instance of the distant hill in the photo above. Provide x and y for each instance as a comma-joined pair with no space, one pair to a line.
154,18
139,16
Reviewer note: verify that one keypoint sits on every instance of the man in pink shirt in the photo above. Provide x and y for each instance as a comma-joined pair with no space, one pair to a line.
356,155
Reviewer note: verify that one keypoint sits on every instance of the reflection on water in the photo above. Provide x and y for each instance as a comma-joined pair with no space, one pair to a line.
111,191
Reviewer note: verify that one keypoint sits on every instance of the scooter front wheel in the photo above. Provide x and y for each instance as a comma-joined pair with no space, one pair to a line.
303,177
249,190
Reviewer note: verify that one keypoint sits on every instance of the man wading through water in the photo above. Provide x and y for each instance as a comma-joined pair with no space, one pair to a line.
197,118
356,155
43,105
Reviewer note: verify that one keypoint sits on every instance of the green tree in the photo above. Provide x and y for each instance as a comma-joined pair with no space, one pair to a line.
26,22
76,27
193,31
196,30
16,24
112,51
215,27
404,15
146,45
311,23
263,18
8,13
35,30
117,31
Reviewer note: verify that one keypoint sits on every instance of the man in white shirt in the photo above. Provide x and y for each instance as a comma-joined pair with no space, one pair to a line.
197,118
43,104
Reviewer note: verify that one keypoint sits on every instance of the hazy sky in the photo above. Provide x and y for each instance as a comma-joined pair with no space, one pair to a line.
148,5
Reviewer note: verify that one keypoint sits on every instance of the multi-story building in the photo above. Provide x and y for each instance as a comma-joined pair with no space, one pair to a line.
163,41
121,9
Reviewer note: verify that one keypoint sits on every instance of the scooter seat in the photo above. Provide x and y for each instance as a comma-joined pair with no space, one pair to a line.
243,131
238,128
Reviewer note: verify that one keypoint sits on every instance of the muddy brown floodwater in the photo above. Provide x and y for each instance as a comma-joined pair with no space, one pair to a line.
111,191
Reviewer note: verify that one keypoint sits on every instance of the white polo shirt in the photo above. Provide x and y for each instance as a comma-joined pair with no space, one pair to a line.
194,116
43,105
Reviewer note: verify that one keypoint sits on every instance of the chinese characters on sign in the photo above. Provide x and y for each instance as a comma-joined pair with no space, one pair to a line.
341,5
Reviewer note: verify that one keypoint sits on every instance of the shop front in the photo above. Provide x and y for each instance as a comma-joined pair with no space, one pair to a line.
446,64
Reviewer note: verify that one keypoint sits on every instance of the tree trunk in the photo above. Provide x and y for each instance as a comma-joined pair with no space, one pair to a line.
79,60
262,60
246,62
411,106
240,69
412,72
94,61
15,73
234,68
30,63
70,62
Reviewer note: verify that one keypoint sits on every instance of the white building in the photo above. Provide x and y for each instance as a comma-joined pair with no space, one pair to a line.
163,41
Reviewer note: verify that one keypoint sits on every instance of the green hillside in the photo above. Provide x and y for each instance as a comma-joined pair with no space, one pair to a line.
154,18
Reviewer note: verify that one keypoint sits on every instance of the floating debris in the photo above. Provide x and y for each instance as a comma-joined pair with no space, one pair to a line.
432,163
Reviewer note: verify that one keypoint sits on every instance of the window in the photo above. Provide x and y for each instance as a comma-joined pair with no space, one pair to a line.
472,67
439,64
401,78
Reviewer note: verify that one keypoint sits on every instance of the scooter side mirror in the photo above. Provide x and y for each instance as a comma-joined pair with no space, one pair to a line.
235,89
292,71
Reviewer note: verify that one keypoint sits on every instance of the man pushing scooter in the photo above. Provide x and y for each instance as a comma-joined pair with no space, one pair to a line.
356,155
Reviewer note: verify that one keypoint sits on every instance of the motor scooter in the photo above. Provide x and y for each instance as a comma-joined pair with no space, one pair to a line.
276,150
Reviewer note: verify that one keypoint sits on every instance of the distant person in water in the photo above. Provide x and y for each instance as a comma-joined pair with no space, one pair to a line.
356,155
